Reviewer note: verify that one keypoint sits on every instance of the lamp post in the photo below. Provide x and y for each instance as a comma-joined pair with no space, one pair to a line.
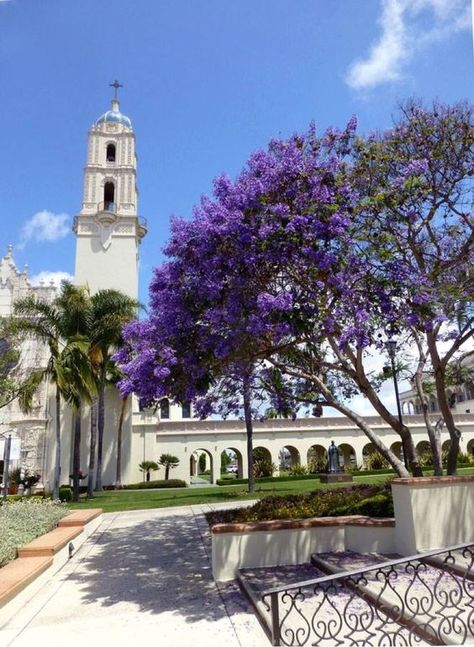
391,347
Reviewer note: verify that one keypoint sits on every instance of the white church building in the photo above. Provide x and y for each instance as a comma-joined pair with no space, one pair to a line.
109,233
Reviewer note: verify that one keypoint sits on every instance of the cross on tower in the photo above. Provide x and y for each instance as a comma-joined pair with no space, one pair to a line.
116,85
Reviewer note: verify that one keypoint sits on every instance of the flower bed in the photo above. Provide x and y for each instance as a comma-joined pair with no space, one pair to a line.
23,521
374,501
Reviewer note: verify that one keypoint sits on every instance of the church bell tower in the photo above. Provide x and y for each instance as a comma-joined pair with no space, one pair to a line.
108,229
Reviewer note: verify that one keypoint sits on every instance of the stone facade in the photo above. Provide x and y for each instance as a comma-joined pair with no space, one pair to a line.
32,428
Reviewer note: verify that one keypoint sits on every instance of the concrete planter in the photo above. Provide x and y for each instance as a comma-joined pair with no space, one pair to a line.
275,543
433,512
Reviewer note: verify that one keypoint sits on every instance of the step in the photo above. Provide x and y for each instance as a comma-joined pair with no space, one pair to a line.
50,543
429,600
16,575
80,517
324,614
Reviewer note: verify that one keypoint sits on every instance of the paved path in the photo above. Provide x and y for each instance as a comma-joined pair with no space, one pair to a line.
143,578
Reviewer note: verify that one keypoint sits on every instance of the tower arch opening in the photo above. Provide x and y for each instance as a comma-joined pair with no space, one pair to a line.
109,196
110,153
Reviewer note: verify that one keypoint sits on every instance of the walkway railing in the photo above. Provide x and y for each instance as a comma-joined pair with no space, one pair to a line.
426,598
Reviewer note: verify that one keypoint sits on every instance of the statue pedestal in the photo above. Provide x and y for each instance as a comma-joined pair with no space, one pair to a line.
336,477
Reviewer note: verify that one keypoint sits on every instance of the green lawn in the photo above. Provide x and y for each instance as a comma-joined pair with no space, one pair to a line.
114,501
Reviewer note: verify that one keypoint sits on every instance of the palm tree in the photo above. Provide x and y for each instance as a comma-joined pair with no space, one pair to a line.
111,310
169,462
60,325
147,467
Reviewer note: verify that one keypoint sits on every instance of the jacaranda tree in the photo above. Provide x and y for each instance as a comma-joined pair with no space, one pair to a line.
278,267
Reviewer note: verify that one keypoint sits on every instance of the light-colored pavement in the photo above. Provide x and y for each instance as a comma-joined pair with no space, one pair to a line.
143,578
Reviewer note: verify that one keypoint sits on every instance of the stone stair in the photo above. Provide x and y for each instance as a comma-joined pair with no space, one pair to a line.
384,600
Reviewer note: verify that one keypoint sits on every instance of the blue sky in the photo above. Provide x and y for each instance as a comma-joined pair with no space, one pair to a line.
206,82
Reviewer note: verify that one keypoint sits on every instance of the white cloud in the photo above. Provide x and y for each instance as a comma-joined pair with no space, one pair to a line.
407,27
44,226
48,277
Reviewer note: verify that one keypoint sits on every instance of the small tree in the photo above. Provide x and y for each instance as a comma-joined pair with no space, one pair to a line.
225,461
202,463
147,467
168,462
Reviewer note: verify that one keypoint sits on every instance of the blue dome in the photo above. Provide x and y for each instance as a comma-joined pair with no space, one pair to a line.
114,116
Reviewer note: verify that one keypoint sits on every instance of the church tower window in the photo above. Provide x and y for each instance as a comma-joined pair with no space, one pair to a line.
109,196
110,154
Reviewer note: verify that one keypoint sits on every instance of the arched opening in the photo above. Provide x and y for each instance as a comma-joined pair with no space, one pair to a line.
372,459
408,408
109,196
347,456
165,409
110,154
317,459
288,457
470,447
262,462
446,445
201,466
397,449
231,464
425,453
423,447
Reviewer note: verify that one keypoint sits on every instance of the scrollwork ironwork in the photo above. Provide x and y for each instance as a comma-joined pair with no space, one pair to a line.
421,599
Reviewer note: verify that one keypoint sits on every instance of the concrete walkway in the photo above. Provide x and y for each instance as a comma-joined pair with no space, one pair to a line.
143,578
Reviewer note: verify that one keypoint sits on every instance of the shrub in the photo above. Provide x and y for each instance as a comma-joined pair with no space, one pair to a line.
263,467
155,484
22,521
374,500
465,457
318,466
298,470
65,493
376,461
269,479
426,459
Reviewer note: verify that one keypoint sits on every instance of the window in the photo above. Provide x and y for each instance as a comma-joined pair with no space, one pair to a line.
109,196
186,410
110,154
165,409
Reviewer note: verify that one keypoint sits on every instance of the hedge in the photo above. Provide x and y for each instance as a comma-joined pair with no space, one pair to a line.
145,485
268,479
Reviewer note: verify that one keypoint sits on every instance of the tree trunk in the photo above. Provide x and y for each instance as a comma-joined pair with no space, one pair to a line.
354,369
92,450
118,474
57,467
402,430
434,433
440,382
148,476
76,456
100,430
167,472
249,429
